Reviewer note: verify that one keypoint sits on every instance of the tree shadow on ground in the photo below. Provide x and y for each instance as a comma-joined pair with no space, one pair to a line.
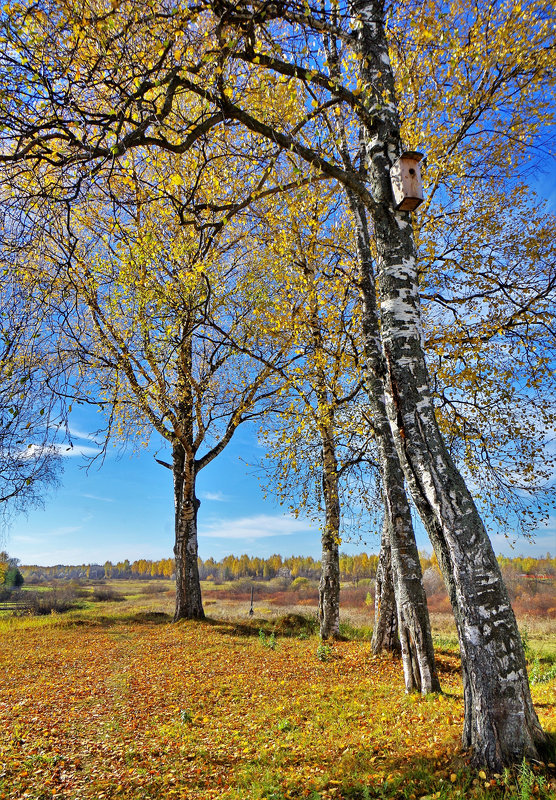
445,775
289,625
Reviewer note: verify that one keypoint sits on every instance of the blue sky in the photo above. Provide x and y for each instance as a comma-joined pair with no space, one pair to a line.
124,509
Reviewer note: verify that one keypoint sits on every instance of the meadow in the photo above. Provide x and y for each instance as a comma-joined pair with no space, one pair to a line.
112,700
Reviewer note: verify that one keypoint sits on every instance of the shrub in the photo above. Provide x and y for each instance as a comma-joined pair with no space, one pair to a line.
355,596
242,586
77,588
106,595
540,673
13,578
433,582
55,601
301,583
324,652
267,641
279,583
154,588
295,624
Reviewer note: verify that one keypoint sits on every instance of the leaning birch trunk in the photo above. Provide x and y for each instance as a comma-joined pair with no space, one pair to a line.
189,604
385,631
413,616
501,725
401,614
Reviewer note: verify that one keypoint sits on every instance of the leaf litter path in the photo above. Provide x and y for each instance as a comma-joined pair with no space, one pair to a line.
201,710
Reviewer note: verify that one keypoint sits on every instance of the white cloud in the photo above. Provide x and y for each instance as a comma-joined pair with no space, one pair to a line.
65,530
63,450
218,497
259,526
75,433
27,539
79,434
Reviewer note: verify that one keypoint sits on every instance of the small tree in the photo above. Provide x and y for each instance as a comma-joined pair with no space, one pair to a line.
10,576
313,451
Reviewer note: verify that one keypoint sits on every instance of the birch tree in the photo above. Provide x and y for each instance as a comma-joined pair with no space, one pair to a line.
485,242
501,729
334,341
160,334
400,600
311,455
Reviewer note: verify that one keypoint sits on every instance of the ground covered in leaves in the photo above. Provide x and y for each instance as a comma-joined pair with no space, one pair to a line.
137,708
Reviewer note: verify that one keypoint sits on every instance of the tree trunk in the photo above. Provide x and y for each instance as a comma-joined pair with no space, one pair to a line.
329,586
501,725
410,598
385,632
413,615
189,604
401,604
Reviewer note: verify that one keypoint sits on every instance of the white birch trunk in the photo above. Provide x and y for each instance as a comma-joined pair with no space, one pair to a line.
329,586
411,602
385,631
189,604
501,725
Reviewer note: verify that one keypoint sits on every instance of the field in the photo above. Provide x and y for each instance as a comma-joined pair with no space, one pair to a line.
112,701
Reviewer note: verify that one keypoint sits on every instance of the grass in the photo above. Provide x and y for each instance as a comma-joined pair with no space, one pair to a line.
113,701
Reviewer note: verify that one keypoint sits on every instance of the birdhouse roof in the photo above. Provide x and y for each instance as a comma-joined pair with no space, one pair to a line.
414,154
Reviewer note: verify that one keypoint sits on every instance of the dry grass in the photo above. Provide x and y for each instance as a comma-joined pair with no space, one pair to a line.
223,602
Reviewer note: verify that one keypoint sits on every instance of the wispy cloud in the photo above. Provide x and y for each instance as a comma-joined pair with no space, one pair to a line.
75,433
96,497
27,539
61,530
259,526
218,497
77,450
65,530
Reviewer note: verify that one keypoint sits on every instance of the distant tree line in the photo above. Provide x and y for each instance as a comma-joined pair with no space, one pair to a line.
521,565
231,567
142,568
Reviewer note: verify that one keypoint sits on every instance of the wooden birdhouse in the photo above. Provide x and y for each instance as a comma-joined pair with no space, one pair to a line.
407,184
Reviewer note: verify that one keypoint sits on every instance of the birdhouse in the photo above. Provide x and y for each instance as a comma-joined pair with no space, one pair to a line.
407,184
